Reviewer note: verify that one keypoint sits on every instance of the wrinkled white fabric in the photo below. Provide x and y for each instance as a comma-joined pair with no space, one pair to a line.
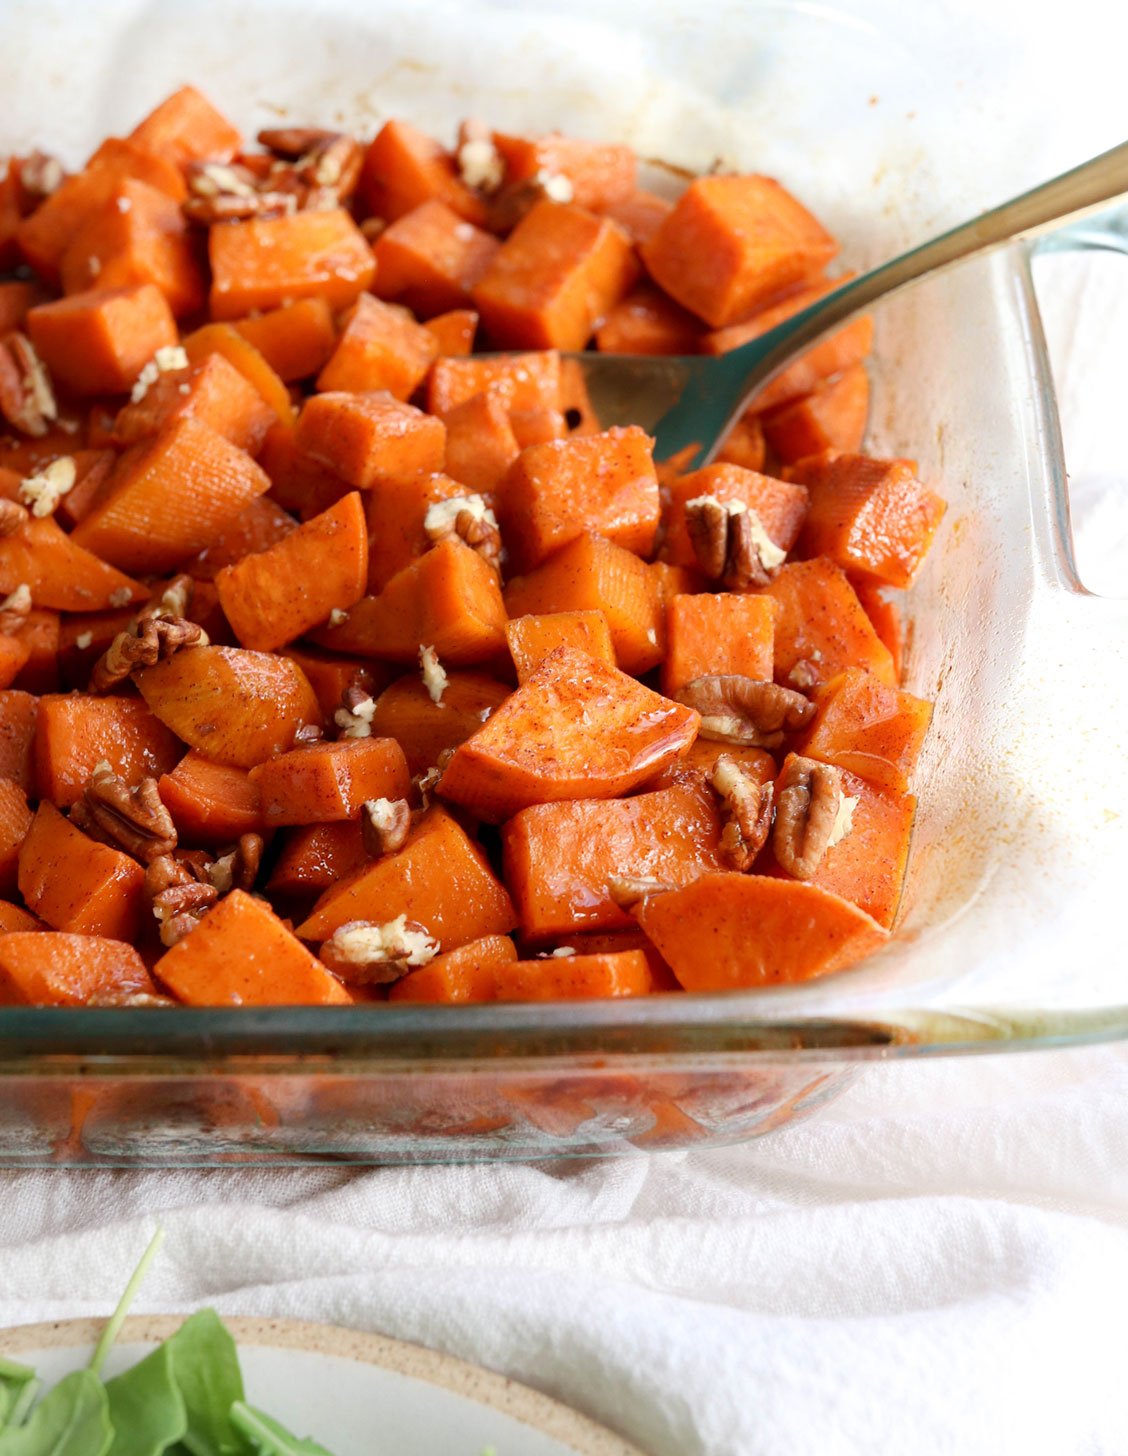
937,1264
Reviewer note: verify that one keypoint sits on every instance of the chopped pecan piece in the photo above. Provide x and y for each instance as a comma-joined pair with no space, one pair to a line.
173,600
627,891
42,491
741,710
366,953
308,733
235,207
746,807
804,675
480,164
730,543
141,645
131,818
384,824
15,608
13,516
238,868
470,519
812,815
424,784
294,141
40,175
354,716
27,400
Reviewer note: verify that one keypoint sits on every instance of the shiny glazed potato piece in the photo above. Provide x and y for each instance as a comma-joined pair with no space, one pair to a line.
49,968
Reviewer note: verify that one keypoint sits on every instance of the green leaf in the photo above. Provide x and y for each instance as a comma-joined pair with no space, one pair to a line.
73,1419
117,1319
146,1407
205,1365
18,1385
269,1437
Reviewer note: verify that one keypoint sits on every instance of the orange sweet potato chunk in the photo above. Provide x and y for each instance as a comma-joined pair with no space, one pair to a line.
832,418
591,574
559,858
266,262
868,728
315,856
454,331
600,174
45,968
695,768
886,619
381,347
18,711
870,516
213,392
15,821
574,978
76,884
532,638
821,629
171,499
554,278
138,236
403,168
721,632
99,341
780,505
15,918
576,729
186,127
275,595
725,932
325,782
447,599
732,244
59,572
604,483
256,528
396,511
74,732
463,974
295,340
430,258
646,321
440,879
366,438
425,729
210,803
241,354
14,654
241,954
235,706
522,381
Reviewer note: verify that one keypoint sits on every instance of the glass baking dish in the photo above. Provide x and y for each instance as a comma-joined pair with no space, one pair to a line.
1007,939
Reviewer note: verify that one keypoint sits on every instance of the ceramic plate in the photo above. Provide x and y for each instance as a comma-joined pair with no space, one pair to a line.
357,1394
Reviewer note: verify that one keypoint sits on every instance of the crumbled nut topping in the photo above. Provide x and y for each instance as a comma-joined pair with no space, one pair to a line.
562,952
742,711
27,399
746,808
238,868
424,784
41,174
471,519
354,717
167,360
13,518
434,674
144,642
15,608
43,490
338,617
804,675
171,601
367,953
627,891
120,597
480,164
308,733
730,543
555,185
180,893
132,818
384,825
810,815
83,640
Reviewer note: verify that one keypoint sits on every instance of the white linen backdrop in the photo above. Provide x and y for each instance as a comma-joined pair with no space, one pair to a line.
938,1263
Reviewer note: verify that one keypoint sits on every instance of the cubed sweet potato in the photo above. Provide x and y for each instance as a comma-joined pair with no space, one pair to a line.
266,262
430,258
366,438
98,342
76,884
325,782
74,732
381,348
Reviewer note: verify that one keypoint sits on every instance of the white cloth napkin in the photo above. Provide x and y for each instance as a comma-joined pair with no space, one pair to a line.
937,1264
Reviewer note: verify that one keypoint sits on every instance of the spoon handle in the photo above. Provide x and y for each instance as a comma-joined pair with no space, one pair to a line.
1084,189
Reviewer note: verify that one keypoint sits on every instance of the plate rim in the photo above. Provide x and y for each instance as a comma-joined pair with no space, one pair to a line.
532,1408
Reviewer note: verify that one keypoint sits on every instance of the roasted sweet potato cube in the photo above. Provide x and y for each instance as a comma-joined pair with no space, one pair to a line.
604,484
574,978
59,572
138,236
577,728
40,968
821,628
718,632
267,262
322,783
366,438
780,506
732,244
295,340
403,168
382,347
868,728
210,803
640,214
425,729
600,174
553,279
315,856
76,884
98,342
186,127
15,821
213,392
833,417
17,735
454,331
646,321
241,354
74,732
278,594
523,381
869,516
463,974
480,443
396,512
533,637
430,258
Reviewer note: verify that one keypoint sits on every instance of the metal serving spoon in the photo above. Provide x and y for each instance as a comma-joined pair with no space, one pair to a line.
688,400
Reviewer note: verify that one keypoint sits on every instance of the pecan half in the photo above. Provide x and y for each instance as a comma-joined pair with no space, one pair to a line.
238,868
13,517
627,891
172,600
235,207
15,608
810,809
294,141
384,824
27,399
132,818
746,807
743,711
366,953
469,518
141,645
181,893
730,543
